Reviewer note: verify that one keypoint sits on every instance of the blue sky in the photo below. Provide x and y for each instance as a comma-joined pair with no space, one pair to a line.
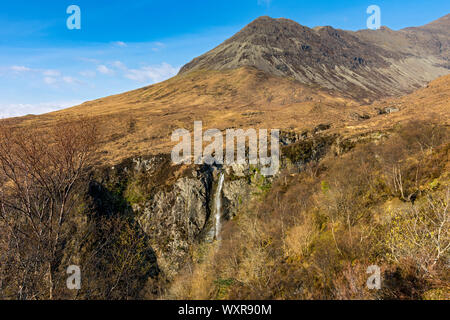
124,45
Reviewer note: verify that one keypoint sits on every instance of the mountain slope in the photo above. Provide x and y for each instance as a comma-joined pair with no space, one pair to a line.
364,64
140,122
316,88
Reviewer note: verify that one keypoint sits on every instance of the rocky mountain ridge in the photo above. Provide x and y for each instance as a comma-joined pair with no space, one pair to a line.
363,64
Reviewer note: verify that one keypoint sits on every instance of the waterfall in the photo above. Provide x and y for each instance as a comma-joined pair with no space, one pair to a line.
218,206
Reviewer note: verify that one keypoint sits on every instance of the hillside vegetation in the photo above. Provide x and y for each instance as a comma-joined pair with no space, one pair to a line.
316,231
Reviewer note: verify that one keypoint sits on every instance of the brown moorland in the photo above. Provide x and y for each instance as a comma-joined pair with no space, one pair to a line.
141,121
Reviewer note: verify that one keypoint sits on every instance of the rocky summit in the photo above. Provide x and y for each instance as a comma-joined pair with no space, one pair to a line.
363,64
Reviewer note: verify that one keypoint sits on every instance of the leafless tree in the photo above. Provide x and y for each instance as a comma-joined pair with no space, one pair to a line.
422,233
39,173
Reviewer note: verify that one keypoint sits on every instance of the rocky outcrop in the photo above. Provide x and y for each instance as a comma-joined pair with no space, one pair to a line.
236,194
174,204
177,217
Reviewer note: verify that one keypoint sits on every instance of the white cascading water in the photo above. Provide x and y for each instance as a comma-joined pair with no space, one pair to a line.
218,206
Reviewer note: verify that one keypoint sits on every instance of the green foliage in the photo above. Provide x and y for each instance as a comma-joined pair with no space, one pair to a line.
437,294
325,186
133,194
222,287
308,150
421,233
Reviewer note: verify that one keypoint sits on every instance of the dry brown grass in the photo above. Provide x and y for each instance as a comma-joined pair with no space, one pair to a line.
141,121
429,103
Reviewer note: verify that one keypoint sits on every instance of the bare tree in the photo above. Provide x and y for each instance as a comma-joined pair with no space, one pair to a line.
39,173
422,233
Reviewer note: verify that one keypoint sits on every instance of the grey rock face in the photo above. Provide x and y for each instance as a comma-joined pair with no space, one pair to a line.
174,206
176,218
236,194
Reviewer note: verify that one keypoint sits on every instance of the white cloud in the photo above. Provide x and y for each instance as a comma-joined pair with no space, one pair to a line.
44,72
104,69
51,73
21,109
88,73
54,81
50,80
70,80
153,74
119,65
89,60
56,78
120,44
20,69
158,46
50,76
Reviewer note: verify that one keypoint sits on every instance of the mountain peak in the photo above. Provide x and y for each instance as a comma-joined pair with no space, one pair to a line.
364,63
267,26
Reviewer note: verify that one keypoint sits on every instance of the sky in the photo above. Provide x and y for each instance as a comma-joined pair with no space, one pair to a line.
124,45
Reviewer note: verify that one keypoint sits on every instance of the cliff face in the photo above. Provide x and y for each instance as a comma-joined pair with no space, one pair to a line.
178,217
174,205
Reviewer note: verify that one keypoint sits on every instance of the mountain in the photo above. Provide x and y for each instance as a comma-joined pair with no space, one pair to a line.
311,85
141,121
429,40
363,64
